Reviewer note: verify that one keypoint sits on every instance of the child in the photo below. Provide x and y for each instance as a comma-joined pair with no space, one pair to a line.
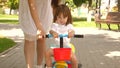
62,25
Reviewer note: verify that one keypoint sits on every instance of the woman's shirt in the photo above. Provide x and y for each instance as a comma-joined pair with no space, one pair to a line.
45,15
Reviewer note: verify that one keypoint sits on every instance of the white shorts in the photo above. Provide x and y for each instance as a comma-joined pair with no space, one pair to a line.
30,37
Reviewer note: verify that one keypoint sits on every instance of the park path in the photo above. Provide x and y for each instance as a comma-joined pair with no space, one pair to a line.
98,48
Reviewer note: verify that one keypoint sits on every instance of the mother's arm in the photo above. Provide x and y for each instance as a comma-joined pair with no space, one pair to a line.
34,14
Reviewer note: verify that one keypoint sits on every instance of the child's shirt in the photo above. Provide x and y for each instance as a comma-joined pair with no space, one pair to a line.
62,29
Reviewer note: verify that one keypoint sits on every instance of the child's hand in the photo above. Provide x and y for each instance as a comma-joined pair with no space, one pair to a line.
55,34
70,33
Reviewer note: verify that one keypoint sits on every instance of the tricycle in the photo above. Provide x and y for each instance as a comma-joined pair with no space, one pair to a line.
62,55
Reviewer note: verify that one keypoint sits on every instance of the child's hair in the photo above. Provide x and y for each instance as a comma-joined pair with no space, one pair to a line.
63,9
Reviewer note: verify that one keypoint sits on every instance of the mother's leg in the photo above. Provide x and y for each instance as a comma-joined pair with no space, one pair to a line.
29,49
41,47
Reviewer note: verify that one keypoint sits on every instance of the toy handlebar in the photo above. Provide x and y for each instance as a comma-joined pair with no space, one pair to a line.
64,35
61,37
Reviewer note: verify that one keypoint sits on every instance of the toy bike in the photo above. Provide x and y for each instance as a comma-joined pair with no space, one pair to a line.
62,55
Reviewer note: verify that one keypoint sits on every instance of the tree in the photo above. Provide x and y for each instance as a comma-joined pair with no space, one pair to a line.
79,2
70,4
118,5
13,4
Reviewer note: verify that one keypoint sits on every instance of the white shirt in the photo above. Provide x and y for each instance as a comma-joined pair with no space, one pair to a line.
62,29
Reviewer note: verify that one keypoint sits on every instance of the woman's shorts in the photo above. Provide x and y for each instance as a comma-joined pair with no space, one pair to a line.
30,37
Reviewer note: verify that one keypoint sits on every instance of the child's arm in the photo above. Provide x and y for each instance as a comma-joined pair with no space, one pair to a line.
71,33
55,34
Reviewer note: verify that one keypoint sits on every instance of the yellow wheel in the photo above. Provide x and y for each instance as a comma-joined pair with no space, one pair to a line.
73,48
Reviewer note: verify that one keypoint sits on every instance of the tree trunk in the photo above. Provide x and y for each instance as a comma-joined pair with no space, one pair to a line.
99,7
118,5
10,11
96,5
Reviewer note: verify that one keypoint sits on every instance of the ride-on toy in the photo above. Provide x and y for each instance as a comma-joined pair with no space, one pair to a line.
62,55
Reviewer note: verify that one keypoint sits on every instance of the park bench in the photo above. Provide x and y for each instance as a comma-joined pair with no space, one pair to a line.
111,18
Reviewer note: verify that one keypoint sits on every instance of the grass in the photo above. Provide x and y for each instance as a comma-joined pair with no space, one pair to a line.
81,22
84,24
77,22
9,19
8,16
6,43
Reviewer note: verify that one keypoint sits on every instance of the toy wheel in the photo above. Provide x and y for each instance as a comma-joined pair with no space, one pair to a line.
79,65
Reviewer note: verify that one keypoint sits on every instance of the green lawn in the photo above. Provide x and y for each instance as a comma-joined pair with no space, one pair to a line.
81,22
6,43
84,24
77,22
4,16
10,19
92,24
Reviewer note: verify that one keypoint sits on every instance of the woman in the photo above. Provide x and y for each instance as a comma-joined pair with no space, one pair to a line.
34,17
55,4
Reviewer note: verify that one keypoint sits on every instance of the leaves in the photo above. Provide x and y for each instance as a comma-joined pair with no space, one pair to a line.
79,2
13,4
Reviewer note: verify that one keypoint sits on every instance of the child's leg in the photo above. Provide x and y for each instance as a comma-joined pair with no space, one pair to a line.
48,59
74,61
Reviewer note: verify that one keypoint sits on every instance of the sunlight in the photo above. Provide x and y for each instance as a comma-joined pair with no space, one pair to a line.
1,36
12,32
113,54
114,35
2,55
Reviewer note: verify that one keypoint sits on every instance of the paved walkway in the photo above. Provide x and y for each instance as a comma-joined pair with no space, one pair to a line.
98,49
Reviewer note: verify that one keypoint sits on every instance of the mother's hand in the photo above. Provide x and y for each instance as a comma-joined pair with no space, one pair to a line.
40,33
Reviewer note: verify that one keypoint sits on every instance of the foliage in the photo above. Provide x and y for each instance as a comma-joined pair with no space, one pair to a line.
13,4
79,2
70,4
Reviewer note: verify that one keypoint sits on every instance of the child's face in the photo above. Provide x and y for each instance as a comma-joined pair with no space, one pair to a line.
61,19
